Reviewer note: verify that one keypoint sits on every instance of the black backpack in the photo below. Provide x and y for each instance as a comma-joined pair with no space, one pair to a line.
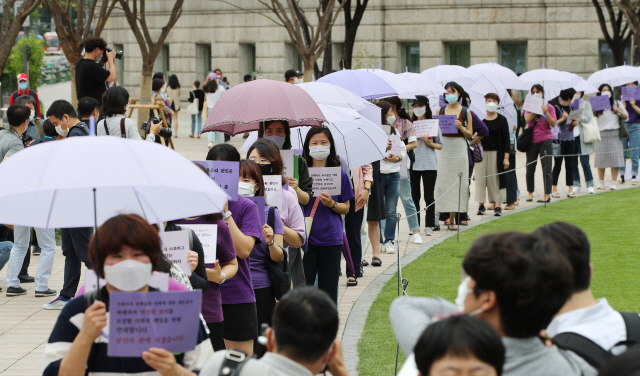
589,350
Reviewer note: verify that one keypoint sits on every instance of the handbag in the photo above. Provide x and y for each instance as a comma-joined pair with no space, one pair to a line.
192,108
279,273
308,221
477,151
525,139
590,131
556,148
624,131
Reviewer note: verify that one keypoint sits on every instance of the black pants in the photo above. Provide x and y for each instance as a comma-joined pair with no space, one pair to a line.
352,225
429,180
511,180
296,267
566,147
325,262
265,304
216,331
75,248
539,149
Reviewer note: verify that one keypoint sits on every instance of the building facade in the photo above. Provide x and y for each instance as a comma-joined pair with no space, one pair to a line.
398,35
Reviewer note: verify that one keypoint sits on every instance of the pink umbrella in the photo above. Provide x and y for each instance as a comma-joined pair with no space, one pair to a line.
243,107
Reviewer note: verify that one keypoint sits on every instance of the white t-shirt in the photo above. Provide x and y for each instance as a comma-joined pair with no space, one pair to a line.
609,121
113,124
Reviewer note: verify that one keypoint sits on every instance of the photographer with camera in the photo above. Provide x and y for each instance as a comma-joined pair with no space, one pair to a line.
34,131
114,106
91,77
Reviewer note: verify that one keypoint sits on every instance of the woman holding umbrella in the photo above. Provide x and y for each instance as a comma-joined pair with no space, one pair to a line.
609,148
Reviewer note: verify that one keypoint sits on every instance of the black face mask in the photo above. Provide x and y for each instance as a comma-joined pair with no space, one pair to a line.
265,168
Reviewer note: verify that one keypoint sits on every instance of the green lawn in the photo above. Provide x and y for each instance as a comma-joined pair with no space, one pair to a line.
610,220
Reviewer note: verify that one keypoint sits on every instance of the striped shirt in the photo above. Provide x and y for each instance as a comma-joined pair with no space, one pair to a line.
426,159
68,326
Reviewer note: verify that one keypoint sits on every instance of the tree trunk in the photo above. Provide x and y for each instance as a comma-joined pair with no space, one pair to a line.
74,97
145,91
635,53
308,64
347,49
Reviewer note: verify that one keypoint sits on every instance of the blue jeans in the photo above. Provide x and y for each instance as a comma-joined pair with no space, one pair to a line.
47,243
193,122
633,142
5,252
586,167
390,189
407,202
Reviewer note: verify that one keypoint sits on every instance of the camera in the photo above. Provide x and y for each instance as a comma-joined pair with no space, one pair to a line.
119,54
146,127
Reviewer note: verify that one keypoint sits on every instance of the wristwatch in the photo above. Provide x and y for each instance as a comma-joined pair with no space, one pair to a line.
226,215
224,278
335,203
367,189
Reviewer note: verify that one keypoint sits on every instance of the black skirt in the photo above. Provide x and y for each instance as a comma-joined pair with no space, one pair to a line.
376,211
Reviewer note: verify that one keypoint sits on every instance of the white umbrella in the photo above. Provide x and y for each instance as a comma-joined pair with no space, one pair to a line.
364,84
553,81
497,72
403,87
424,85
66,178
584,86
484,86
616,76
446,73
333,95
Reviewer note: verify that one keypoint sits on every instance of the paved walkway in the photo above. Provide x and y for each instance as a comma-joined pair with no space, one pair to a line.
25,326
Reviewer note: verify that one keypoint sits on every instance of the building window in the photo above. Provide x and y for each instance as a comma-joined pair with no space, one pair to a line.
119,65
247,55
162,61
513,55
605,56
203,61
410,57
292,58
458,53
336,56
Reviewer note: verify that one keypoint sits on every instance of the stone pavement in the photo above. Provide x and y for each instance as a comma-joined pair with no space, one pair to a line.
25,326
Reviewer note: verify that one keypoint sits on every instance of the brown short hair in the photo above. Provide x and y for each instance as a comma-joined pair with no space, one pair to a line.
493,96
130,230
269,150
92,42
250,169
196,83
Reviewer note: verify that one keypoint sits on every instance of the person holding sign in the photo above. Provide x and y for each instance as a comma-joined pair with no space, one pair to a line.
454,158
582,148
633,141
129,252
325,237
425,167
541,144
567,144
609,149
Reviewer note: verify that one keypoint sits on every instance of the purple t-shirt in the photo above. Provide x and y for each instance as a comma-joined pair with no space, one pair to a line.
225,252
239,289
260,253
633,115
327,224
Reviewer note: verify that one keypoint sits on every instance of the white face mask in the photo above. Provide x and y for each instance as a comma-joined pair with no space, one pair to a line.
319,152
491,107
607,93
33,115
246,189
62,132
279,140
419,111
128,275
298,80
537,95
463,291
576,97
391,119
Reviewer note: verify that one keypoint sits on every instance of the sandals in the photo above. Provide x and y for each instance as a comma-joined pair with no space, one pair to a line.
351,281
365,263
464,223
452,227
376,261
191,135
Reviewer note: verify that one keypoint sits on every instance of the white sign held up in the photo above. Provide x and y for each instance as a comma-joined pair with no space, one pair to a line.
287,159
426,128
208,236
273,190
533,104
175,245
326,179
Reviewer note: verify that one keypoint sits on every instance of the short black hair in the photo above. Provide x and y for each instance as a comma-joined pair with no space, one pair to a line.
537,87
332,160
157,84
247,77
196,83
17,114
114,101
573,242
625,364
159,75
210,87
531,278
92,42
567,94
24,99
454,85
305,323
49,129
287,132
87,105
61,107
461,336
223,152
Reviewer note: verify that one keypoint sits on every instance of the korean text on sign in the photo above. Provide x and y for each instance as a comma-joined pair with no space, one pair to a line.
225,174
326,179
175,245
208,236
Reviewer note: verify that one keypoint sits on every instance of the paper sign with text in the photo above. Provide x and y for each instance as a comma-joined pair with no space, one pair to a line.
225,174
533,104
141,320
287,160
447,123
396,145
273,190
630,92
158,281
259,200
600,102
208,236
426,128
175,245
575,115
326,179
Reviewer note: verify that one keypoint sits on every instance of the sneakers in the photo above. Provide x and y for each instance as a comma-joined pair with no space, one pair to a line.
482,210
416,239
48,292
57,303
437,227
15,291
591,190
571,194
26,278
601,184
634,181
382,248
210,145
389,247
614,186
576,189
35,250
428,232
497,211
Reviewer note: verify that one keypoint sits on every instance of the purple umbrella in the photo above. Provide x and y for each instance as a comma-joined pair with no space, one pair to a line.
243,107
362,83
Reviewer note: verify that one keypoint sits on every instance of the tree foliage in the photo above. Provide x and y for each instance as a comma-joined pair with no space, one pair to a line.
35,53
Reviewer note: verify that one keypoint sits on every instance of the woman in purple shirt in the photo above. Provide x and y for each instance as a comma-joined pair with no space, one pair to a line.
325,237
270,246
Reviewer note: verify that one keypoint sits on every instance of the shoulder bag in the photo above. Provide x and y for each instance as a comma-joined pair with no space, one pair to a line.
590,131
279,273
308,221
524,141
192,108
123,130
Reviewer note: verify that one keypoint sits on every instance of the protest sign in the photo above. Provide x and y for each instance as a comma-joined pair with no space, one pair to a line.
396,145
630,92
225,174
600,102
287,160
426,128
447,123
533,104
141,320
259,200
208,236
326,179
575,115
175,245
158,281
273,190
